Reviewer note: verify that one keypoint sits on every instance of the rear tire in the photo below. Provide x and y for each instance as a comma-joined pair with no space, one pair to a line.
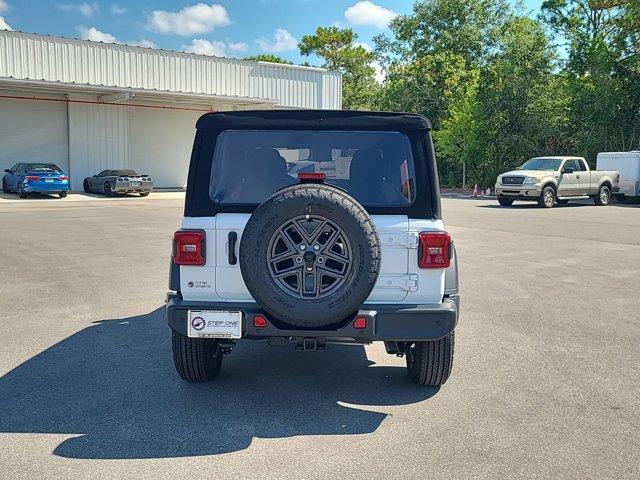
547,197
5,188
107,190
85,186
603,197
62,194
197,360
430,363
144,194
505,202
21,192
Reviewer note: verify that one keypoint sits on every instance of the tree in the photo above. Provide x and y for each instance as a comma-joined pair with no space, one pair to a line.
268,57
602,70
522,105
340,52
433,59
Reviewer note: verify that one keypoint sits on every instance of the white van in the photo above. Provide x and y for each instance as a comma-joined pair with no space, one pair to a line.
628,164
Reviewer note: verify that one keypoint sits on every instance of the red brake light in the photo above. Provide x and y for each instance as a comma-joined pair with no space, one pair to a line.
63,177
259,321
312,176
360,323
188,247
434,250
31,178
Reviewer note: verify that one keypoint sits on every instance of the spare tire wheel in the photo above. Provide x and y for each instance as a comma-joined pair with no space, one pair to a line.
310,255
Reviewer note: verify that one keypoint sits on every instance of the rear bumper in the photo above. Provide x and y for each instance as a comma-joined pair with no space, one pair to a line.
46,188
127,189
384,322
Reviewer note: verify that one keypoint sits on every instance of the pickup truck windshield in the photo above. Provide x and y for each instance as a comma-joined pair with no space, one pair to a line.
375,167
541,164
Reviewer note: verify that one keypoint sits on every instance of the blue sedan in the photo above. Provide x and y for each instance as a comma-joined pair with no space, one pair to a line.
26,178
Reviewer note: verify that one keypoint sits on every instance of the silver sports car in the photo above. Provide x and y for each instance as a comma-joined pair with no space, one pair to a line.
114,182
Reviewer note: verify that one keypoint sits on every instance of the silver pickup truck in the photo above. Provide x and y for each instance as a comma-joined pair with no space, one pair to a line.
551,180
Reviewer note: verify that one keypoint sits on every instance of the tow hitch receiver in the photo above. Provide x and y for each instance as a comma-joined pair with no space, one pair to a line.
311,344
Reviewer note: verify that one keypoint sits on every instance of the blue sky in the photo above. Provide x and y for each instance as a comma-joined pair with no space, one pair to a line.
232,28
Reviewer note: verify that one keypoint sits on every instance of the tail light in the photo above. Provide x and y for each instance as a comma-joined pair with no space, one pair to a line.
32,178
312,176
360,323
188,247
63,177
434,250
259,321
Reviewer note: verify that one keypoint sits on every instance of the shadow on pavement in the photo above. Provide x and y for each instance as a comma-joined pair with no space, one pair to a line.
533,205
113,384
32,196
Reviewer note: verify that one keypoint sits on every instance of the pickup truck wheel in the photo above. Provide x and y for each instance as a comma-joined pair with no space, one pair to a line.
547,198
310,255
603,197
429,363
504,201
197,360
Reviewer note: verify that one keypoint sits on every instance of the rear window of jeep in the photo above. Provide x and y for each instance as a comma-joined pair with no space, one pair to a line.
376,168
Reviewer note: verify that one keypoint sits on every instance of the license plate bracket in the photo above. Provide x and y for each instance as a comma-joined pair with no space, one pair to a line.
214,324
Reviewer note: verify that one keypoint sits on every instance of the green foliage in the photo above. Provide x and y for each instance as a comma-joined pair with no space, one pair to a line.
492,85
495,88
340,52
602,71
268,57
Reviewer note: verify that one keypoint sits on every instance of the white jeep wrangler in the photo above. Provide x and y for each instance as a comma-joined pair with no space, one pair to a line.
313,227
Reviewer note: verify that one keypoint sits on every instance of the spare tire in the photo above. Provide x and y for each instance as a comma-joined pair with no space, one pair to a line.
310,255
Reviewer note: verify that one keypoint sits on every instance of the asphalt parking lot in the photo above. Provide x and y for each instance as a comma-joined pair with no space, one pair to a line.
546,377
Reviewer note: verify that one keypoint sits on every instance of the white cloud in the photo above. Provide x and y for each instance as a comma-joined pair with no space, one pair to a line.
368,13
201,46
282,42
238,47
86,9
364,45
194,19
96,35
4,6
118,9
380,74
144,43
4,25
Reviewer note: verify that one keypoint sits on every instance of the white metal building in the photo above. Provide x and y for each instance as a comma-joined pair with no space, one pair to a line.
90,106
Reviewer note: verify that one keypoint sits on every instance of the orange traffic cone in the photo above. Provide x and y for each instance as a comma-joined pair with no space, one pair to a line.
475,190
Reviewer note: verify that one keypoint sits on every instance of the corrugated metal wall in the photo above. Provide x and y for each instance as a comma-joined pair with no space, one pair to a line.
35,57
33,131
98,139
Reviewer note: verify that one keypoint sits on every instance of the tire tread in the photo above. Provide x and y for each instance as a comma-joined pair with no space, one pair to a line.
433,361
196,360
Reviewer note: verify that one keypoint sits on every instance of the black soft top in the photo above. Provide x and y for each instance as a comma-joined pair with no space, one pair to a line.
314,119
198,203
